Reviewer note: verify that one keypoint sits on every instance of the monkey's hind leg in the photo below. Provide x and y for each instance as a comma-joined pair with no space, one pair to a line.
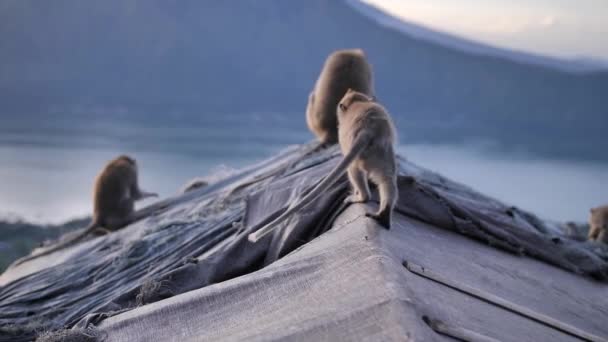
114,223
387,189
358,179
602,236
593,233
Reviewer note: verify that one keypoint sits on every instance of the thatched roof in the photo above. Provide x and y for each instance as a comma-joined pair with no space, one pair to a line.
455,263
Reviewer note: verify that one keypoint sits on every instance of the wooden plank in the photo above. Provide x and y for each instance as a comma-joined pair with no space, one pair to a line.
498,301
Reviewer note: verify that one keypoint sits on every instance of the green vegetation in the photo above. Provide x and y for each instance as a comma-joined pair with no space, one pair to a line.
19,238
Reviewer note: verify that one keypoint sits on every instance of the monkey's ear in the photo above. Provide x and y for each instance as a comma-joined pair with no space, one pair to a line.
373,98
350,90
342,107
592,210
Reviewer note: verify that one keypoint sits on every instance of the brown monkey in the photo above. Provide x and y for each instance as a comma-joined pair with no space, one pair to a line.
115,191
367,139
194,184
342,70
598,224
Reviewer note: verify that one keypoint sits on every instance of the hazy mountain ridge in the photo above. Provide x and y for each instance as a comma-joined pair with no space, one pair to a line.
193,57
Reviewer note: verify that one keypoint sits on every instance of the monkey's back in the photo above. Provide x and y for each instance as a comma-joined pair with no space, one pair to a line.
342,70
112,192
371,118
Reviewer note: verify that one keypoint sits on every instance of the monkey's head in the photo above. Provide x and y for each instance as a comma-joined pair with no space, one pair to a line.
127,159
599,217
351,97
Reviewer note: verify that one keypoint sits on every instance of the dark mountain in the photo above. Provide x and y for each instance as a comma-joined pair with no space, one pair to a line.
147,58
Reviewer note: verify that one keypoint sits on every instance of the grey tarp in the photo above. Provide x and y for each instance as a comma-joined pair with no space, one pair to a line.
187,272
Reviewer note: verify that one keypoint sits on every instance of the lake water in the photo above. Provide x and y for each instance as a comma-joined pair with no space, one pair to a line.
47,177
553,189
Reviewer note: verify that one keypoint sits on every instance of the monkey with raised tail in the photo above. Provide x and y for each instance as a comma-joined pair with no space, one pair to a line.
367,137
598,224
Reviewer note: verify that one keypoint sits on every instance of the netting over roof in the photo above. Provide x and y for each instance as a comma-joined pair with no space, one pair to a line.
187,272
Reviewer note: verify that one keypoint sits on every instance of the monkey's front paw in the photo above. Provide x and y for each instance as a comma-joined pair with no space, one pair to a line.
383,220
355,199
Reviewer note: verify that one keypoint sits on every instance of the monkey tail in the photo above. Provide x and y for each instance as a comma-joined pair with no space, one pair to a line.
89,229
361,142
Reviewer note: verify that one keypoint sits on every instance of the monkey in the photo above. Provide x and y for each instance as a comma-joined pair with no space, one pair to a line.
367,137
194,184
598,224
114,193
343,69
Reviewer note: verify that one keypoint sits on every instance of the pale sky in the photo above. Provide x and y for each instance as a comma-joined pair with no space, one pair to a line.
563,28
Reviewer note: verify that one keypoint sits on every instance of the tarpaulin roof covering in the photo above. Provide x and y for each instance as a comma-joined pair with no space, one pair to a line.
456,264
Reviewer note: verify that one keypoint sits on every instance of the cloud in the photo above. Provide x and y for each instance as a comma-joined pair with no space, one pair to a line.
515,24
467,16
549,20
548,27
